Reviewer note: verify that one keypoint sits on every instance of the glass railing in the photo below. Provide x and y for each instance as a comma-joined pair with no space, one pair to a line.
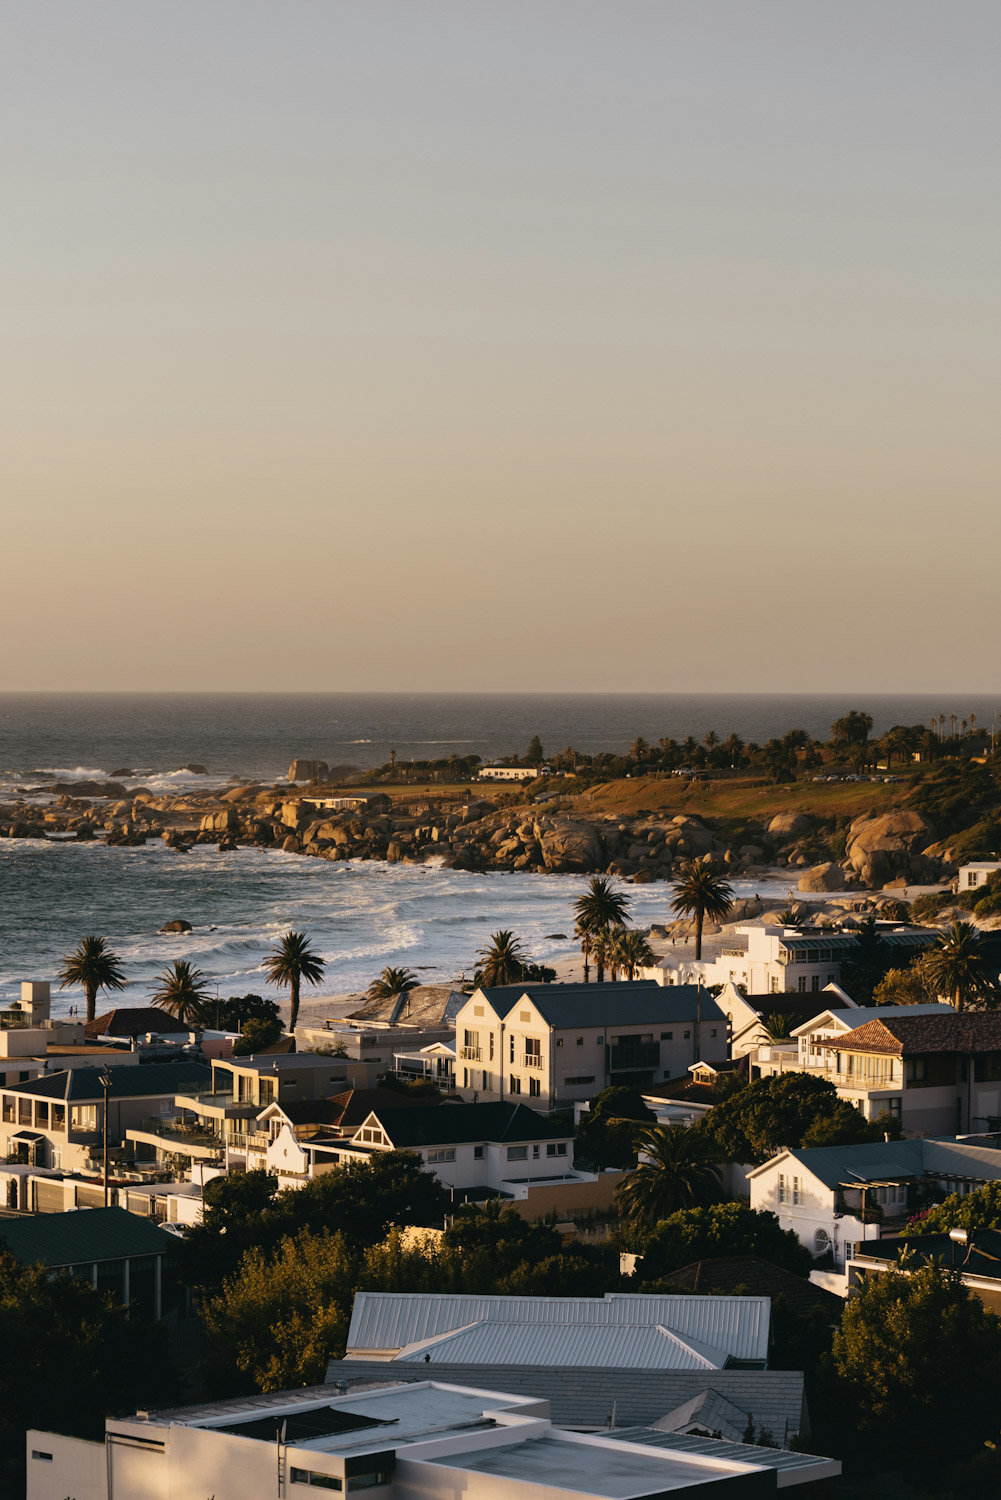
181,1132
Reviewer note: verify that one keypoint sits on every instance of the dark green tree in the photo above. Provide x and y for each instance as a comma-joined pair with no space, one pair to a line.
719,1229
93,966
789,1109
600,908
183,992
959,966
676,1170
702,891
291,962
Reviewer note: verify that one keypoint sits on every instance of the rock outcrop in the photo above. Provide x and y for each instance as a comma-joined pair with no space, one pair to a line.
882,848
308,770
826,877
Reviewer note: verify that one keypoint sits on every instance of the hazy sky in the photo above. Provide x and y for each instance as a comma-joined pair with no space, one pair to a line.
500,344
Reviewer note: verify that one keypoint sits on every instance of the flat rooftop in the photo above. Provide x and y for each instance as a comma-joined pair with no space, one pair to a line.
614,1471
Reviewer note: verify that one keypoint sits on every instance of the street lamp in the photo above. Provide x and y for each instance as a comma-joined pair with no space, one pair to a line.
105,1081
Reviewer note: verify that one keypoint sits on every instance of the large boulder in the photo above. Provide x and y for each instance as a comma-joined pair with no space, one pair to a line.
308,770
789,825
884,847
177,925
569,846
220,822
826,877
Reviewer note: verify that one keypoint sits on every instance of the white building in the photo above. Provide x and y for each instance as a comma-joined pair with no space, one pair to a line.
977,873
508,773
766,959
547,1045
835,1197
420,1441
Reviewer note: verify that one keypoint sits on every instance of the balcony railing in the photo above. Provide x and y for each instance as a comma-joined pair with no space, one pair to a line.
471,1054
181,1133
531,1060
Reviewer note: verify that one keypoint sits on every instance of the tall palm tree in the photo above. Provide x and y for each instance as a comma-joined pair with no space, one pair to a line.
93,966
778,1026
630,950
502,961
600,908
702,891
676,1170
601,951
183,992
392,982
734,747
958,966
288,964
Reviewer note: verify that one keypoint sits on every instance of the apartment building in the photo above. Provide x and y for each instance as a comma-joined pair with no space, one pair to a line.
550,1044
770,959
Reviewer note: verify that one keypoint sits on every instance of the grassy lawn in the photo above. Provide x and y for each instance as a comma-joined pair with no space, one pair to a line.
743,799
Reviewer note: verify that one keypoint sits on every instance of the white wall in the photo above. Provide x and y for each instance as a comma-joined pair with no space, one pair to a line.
77,1468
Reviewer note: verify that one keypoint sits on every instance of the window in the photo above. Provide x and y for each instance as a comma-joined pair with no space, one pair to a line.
893,1107
8,1109
580,1041
515,1085
559,1041
318,1481
579,1081
24,1111
599,1040
782,1187
713,1031
797,1190
372,1135
465,1078
973,877
790,1189
773,985
687,1035
44,1457
491,1046
916,1070
815,982
477,1153
802,984
440,1153
556,1148
517,1153
58,1117
535,1087
366,1481
668,1036
511,1040
533,1047
84,1117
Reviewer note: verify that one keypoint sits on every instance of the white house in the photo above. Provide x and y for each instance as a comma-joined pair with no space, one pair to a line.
547,1045
836,1197
750,1015
767,959
508,773
977,873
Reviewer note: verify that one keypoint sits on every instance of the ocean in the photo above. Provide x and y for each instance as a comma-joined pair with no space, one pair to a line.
361,916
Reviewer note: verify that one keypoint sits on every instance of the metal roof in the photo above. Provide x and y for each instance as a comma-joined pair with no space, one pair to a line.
81,1235
623,1003
583,1396
610,1346
127,1082
455,1124
779,1459
883,1161
389,1322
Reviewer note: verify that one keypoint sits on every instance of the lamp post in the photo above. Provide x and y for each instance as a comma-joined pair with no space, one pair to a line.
106,1085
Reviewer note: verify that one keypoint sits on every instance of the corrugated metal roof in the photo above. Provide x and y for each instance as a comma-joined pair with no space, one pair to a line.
615,1346
624,1003
391,1321
680,1442
881,1161
85,1234
583,1396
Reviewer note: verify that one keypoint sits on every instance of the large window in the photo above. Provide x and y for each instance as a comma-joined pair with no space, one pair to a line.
517,1153
318,1481
8,1109
556,1148
535,1087
438,1154
24,1111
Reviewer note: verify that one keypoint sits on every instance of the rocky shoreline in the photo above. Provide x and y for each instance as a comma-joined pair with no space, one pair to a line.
891,849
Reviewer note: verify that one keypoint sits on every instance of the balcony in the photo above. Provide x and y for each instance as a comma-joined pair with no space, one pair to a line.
531,1060
179,1137
471,1054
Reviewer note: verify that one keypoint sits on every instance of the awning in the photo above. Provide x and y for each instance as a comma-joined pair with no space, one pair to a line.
28,1135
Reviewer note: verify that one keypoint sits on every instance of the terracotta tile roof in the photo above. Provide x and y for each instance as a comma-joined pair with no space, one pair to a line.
133,1020
907,1036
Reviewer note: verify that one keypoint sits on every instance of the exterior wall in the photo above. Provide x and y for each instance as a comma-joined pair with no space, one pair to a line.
596,1195
73,1149
485,1068
74,1468
814,1214
508,773
972,876
245,1084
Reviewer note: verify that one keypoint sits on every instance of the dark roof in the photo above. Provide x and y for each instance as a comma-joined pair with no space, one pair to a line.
729,1275
583,1395
458,1123
907,1036
925,1247
134,1020
841,942
625,1002
790,1003
83,1234
127,1082
426,1005
356,1105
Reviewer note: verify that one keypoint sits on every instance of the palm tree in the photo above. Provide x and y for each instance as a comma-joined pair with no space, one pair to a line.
503,961
183,992
600,907
734,747
675,1170
702,891
93,966
711,740
392,982
287,965
778,1026
958,966
601,950
630,950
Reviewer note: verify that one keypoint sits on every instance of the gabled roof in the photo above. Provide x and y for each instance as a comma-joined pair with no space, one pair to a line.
139,1082
750,1274
789,1003
459,1124
426,1005
900,1034
134,1020
83,1235
388,1323
625,1346
356,1105
976,1158
625,1003
862,1013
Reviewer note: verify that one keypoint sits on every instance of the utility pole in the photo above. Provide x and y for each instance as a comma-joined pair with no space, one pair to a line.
106,1085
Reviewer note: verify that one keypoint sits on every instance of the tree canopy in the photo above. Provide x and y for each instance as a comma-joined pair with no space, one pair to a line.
714,1230
789,1109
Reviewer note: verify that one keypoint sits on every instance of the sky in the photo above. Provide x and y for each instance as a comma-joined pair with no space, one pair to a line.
644,345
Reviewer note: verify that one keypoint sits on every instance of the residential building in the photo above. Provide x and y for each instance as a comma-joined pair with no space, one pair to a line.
116,1252
131,1023
422,1440
57,1120
547,1045
264,1077
976,873
936,1073
812,1046
508,773
834,1198
622,1329
769,959
751,1016
433,1064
